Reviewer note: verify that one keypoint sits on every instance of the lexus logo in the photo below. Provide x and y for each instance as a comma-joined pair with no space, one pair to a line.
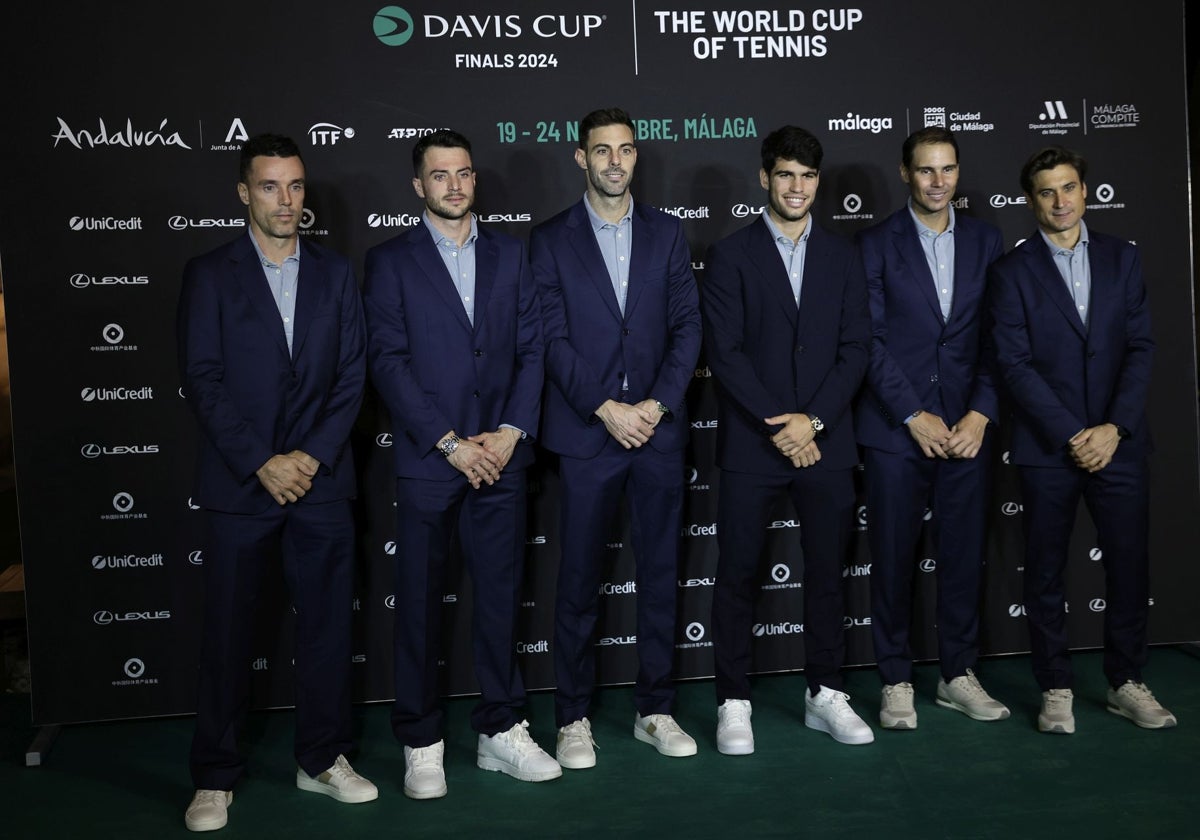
103,617
196,558
1010,508
852,203
693,474
695,631
1097,605
134,668
90,450
80,281
780,572
177,223
384,439
390,602
192,505
122,502
928,564
113,333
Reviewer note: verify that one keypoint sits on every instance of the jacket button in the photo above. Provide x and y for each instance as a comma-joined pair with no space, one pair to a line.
478,353
475,393
625,332
933,377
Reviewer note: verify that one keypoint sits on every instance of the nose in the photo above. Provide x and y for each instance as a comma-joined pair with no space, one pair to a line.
285,197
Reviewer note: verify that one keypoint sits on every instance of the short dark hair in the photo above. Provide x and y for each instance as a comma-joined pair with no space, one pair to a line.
266,145
1048,158
927,137
443,138
791,143
600,118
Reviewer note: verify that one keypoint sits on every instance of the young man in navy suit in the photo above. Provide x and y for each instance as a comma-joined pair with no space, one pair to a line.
786,334
455,351
1074,348
271,354
622,330
923,421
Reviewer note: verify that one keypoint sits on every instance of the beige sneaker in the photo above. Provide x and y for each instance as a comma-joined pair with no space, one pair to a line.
896,707
1056,715
967,696
1134,701
339,782
208,811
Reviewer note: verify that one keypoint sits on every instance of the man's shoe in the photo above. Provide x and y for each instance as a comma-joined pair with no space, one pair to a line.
896,707
424,777
208,811
339,782
575,749
1134,701
1056,715
734,734
664,734
516,754
830,712
967,696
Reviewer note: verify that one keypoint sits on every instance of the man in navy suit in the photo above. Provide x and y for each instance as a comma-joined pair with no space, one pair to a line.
622,331
271,354
923,422
455,351
1074,348
786,332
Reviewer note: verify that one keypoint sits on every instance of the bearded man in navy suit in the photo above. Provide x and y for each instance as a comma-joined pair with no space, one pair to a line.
786,332
455,351
1074,348
271,354
924,420
622,330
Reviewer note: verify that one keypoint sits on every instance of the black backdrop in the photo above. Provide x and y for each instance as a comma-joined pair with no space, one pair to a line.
120,143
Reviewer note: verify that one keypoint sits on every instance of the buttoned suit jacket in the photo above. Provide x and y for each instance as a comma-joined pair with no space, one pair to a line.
253,399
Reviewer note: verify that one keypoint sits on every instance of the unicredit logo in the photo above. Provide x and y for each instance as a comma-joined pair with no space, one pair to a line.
779,628
104,223
541,646
146,392
389,220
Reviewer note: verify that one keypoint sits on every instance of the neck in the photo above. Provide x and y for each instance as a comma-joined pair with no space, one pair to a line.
275,249
1067,239
610,208
937,222
793,230
457,229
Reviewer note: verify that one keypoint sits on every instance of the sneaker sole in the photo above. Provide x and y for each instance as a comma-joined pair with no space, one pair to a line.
425,794
735,749
206,825
576,764
1165,724
898,723
985,716
663,749
314,786
813,722
496,765
1056,728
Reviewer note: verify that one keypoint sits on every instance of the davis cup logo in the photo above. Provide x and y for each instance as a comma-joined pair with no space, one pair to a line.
393,26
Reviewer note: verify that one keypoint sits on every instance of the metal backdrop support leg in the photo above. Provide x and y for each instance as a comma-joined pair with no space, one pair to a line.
42,742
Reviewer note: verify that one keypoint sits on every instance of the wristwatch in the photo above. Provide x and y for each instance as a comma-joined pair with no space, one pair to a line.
817,425
448,445
662,409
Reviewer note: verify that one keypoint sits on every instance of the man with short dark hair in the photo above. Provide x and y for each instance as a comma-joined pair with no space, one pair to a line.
271,346
622,332
923,421
1074,348
786,332
455,351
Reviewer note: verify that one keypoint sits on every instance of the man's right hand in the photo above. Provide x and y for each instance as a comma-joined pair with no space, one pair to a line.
931,434
631,425
286,477
479,465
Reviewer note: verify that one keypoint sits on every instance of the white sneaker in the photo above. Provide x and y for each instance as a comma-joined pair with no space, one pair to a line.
896,707
1056,715
516,754
575,749
339,782
830,712
424,777
664,734
734,733
1133,700
208,810
966,695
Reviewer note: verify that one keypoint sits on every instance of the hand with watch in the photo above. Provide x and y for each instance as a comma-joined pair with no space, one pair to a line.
472,460
799,430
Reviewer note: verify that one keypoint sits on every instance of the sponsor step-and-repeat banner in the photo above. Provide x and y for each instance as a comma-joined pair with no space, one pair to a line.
124,123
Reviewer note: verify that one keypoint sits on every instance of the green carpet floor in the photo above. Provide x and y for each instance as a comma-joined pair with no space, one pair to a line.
951,778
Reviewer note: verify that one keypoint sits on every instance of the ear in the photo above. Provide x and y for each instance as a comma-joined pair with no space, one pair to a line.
905,175
243,193
764,179
581,158
418,187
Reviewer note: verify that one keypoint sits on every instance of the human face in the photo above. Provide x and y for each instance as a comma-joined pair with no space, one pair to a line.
791,187
932,178
446,182
275,195
608,160
1058,201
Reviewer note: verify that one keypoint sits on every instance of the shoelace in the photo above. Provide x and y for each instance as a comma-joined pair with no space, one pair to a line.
342,771
518,738
970,685
1140,691
663,725
580,731
1057,701
210,797
737,714
422,757
899,690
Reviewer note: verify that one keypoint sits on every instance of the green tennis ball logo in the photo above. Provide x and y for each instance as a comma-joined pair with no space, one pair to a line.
393,26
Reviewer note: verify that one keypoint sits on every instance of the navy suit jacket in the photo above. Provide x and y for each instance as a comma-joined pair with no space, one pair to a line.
251,397
433,369
918,360
1062,377
591,347
770,357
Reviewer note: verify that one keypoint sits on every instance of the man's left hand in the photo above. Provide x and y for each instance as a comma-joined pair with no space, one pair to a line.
966,436
1094,447
501,443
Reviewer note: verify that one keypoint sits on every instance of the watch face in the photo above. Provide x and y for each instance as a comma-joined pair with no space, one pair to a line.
817,424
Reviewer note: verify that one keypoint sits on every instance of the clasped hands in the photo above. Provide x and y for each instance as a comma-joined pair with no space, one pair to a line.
482,457
962,440
288,477
795,441
631,425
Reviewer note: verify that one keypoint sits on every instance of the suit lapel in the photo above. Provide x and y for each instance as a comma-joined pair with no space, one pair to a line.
249,273
427,258
639,256
485,274
764,253
1104,294
310,288
583,242
908,244
1041,264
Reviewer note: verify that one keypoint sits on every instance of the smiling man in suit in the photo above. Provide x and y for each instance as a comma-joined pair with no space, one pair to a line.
622,331
786,334
455,351
271,354
1074,348
923,422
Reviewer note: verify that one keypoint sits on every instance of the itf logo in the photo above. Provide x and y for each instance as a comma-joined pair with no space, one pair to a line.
393,26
